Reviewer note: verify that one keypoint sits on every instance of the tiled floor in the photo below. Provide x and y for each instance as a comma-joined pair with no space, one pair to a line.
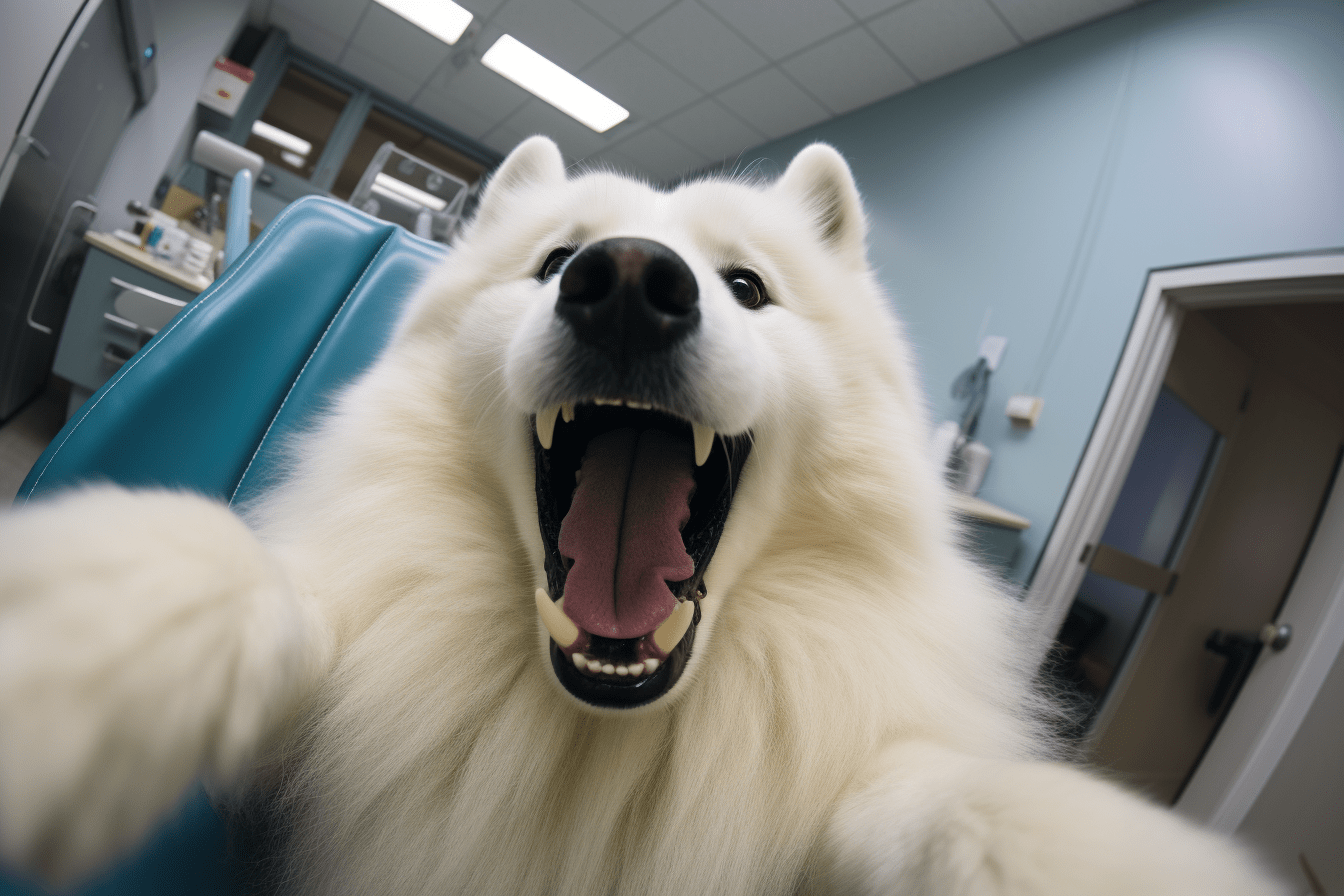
25,435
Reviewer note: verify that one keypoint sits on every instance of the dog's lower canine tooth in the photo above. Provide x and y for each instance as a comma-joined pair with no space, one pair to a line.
704,440
651,666
580,661
562,629
674,626
546,425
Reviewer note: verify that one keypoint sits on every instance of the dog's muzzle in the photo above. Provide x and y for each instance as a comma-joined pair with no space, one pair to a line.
632,490
627,298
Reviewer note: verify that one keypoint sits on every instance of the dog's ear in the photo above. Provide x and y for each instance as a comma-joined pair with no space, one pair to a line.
535,161
819,179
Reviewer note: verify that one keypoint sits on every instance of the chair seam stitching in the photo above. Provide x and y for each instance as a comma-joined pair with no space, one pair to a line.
311,354
192,307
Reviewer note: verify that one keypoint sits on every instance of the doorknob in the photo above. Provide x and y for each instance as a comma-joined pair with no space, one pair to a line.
1239,651
1276,637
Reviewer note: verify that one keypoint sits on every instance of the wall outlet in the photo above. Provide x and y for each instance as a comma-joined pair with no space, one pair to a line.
1025,410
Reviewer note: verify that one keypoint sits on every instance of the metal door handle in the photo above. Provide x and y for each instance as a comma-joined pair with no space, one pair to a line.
1276,637
51,257
1240,652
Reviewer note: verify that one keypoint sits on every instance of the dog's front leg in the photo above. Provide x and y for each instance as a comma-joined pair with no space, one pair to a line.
933,822
146,639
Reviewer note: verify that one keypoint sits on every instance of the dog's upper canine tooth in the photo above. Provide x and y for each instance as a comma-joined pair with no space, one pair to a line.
562,629
674,626
704,441
546,425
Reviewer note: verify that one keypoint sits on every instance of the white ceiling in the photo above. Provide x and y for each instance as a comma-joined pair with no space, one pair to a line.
703,79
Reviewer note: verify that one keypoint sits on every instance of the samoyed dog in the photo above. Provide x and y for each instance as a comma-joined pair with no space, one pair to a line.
622,571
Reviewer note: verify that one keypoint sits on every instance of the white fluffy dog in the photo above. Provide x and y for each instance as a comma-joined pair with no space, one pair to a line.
623,570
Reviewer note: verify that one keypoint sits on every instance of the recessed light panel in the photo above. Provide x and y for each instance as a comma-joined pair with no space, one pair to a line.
442,18
533,72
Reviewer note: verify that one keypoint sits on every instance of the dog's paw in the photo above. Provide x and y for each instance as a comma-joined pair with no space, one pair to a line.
146,639
935,822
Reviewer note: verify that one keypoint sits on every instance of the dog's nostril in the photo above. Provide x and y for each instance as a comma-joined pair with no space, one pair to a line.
669,288
626,296
588,279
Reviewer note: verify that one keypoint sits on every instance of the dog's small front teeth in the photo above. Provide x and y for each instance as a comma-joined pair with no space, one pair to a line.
562,629
567,412
674,627
704,441
546,425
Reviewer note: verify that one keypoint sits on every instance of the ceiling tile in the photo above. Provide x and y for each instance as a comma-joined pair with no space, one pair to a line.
306,35
438,102
866,9
695,44
782,27
772,104
480,9
561,30
614,161
848,71
934,37
388,37
539,117
1033,19
626,15
489,94
712,130
658,155
503,139
337,16
387,79
640,83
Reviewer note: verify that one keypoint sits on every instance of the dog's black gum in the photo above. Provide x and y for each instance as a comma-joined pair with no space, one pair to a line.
623,694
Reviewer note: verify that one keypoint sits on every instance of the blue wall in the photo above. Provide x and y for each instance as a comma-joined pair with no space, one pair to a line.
1040,188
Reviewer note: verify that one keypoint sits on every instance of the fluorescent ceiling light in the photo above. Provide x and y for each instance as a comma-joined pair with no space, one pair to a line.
531,71
442,18
391,188
285,139
292,158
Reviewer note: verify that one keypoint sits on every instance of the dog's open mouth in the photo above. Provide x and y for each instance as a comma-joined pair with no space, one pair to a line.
631,502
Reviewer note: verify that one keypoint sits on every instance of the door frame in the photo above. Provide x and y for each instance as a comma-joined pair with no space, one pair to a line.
1265,717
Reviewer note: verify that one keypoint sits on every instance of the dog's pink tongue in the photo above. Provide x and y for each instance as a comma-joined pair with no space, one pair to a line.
623,532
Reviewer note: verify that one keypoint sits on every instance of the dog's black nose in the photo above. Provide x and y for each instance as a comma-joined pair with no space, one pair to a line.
628,296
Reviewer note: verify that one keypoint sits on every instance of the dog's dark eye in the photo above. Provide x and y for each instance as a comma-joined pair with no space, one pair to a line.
747,288
553,262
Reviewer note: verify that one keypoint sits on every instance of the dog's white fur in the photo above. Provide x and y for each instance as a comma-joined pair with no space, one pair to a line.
855,718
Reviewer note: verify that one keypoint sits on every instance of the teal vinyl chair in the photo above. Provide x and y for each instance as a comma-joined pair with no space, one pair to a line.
207,405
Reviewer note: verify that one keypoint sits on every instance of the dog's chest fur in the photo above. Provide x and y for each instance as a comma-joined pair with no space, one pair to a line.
453,790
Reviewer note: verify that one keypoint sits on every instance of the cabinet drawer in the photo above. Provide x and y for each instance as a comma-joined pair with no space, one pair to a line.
115,309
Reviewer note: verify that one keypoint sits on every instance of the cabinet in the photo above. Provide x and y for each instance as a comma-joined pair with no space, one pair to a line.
97,339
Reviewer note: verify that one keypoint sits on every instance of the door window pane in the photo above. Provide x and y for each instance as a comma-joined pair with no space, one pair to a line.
1149,521
379,128
297,122
1168,468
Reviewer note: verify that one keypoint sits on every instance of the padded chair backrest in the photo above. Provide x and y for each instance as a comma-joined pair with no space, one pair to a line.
207,403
